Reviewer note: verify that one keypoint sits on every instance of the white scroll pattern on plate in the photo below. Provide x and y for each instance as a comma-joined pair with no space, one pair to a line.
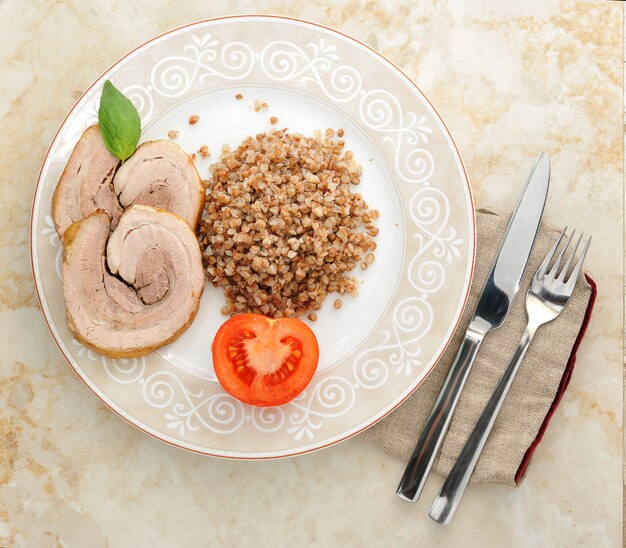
406,134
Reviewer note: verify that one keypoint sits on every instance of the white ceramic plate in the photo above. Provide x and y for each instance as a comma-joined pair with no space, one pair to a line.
379,346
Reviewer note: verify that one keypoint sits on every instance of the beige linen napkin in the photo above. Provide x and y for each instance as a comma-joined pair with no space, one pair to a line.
536,390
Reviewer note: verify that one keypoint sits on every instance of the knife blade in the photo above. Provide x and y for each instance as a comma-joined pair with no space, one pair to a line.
491,311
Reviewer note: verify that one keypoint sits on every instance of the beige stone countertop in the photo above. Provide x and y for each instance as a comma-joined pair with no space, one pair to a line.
510,79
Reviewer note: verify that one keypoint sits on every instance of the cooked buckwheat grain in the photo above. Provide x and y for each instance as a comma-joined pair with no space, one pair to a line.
281,227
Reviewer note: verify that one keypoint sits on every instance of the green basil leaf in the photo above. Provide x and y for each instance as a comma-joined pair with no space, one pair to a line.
119,122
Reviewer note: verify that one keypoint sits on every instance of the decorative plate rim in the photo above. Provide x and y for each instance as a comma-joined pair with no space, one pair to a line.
137,423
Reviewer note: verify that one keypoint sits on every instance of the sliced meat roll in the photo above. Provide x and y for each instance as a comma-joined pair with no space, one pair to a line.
150,292
86,183
161,174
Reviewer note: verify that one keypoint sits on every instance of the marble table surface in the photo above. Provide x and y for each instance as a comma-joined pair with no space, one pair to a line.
510,79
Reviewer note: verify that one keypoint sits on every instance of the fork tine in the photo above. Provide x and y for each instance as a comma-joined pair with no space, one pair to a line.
567,264
541,271
571,281
555,270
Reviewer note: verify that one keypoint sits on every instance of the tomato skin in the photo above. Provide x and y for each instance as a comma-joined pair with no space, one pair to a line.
262,361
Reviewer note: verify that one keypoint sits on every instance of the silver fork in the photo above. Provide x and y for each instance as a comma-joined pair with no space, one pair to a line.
547,296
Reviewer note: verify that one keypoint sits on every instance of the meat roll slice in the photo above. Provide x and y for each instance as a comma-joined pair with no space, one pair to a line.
150,292
160,174
86,183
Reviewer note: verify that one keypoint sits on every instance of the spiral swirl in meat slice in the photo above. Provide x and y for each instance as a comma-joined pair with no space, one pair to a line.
150,292
160,174
86,183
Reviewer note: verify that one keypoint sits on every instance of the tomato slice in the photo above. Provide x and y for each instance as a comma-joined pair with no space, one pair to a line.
262,361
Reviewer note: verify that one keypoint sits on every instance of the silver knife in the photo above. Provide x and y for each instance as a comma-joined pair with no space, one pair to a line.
493,307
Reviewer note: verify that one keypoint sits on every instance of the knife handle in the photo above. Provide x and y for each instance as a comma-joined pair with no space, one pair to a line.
436,427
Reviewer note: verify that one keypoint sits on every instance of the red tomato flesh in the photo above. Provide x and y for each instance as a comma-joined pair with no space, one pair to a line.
262,361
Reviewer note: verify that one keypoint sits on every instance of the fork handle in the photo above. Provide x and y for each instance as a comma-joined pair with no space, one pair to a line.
418,468
453,488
